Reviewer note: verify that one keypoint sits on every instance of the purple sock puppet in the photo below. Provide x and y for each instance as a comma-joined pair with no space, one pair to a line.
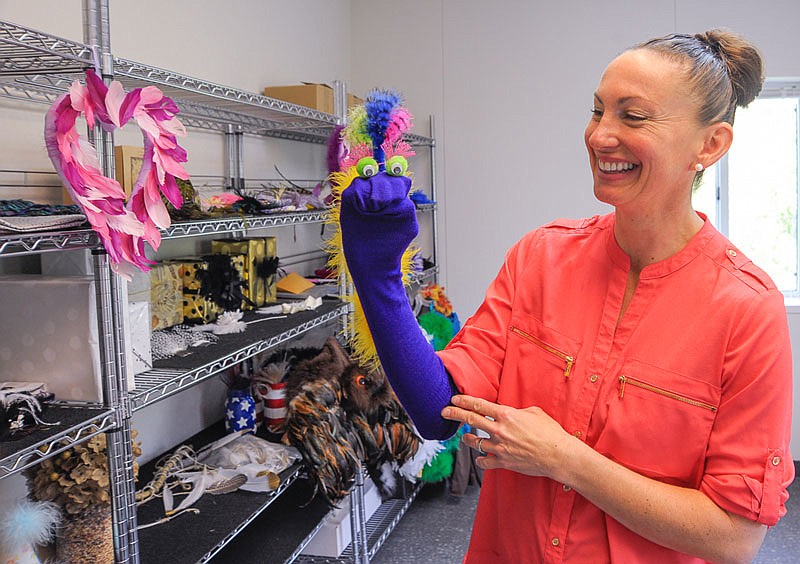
378,222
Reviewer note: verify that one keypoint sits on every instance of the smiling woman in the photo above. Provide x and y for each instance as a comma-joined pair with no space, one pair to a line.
631,373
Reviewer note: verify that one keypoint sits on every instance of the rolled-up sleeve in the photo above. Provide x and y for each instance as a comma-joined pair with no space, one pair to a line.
748,463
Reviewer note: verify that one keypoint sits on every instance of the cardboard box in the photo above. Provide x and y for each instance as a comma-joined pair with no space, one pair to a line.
311,95
336,534
128,162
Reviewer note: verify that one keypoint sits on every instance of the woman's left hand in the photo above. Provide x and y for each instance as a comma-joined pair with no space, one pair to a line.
527,440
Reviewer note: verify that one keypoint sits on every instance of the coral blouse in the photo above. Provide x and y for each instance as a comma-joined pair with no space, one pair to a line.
692,388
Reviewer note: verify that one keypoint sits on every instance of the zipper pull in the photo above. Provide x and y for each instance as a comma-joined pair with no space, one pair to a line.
570,361
622,380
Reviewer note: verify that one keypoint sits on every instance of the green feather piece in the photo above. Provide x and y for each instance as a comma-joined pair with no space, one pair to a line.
355,133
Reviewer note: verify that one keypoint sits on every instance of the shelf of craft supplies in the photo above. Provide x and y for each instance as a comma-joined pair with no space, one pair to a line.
25,51
12,244
177,373
38,67
76,424
199,537
29,243
235,527
274,536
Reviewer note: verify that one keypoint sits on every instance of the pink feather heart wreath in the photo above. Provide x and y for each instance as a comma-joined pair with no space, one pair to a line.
123,226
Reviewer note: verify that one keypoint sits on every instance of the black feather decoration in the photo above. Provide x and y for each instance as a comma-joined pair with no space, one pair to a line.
248,204
222,283
267,267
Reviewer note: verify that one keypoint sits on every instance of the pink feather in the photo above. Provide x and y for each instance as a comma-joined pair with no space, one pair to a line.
400,121
123,226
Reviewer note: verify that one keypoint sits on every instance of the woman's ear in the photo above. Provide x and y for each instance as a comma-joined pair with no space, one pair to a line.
718,139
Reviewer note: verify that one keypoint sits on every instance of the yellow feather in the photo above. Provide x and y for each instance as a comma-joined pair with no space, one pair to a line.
360,339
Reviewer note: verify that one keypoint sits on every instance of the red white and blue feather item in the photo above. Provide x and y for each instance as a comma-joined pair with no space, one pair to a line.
123,225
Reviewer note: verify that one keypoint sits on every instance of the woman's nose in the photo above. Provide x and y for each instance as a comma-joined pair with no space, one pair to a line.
601,133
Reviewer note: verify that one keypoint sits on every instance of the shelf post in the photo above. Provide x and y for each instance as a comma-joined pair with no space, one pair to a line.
110,322
434,197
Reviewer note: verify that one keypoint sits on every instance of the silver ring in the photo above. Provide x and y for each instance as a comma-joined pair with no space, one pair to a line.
481,452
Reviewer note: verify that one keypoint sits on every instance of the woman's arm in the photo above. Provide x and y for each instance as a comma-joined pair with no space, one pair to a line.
530,442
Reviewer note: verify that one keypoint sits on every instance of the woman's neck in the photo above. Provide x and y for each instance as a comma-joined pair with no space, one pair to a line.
648,239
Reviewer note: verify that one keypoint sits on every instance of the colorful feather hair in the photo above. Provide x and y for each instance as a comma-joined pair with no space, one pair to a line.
374,129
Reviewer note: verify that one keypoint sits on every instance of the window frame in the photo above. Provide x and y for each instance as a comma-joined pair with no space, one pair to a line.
777,87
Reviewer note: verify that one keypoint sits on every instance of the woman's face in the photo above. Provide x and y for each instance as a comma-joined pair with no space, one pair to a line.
643,137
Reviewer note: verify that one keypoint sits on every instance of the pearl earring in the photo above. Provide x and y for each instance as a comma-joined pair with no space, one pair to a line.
699,167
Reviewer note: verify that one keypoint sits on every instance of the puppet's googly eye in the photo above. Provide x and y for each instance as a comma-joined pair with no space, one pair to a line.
367,167
397,165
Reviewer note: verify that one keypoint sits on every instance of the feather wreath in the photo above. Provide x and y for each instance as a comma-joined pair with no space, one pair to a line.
123,226
374,129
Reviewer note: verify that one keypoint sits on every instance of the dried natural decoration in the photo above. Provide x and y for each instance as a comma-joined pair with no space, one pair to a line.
76,479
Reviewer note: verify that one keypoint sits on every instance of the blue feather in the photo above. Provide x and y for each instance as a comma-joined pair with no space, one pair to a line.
379,106
30,523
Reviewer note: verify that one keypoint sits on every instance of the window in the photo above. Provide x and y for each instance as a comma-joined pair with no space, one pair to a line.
751,194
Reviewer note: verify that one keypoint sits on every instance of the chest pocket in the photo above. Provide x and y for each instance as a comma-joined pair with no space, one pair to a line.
659,422
539,362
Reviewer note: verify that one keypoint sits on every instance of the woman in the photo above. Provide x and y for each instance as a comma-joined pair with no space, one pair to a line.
633,371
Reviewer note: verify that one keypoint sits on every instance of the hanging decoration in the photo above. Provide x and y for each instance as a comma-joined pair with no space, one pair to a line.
372,143
122,224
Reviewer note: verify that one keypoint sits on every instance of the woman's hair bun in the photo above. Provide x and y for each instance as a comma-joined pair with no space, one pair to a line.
741,59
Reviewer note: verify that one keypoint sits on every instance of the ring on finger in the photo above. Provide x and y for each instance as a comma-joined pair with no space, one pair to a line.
481,452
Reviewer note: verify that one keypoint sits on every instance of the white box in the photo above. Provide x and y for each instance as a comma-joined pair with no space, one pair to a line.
79,262
336,534
138,338
48,333
75,262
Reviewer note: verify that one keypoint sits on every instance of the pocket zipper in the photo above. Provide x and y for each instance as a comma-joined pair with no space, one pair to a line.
623,380
569,361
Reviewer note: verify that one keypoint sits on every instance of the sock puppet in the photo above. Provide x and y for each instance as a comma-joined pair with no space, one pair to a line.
377,224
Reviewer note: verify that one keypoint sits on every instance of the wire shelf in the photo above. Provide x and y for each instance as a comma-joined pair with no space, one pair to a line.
241,224
214,106
159,383
17,244
27,51
76,425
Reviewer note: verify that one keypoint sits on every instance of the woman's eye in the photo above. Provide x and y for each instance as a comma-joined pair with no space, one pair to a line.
397,165
367,167
634,117
597,114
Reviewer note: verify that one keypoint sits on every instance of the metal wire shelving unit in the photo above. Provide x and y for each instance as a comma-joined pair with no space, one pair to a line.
38,67
159,383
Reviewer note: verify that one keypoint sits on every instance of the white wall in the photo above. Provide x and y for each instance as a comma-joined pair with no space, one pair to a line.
512,96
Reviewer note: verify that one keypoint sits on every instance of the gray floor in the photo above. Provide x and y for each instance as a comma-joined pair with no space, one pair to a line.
437,526
435,530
